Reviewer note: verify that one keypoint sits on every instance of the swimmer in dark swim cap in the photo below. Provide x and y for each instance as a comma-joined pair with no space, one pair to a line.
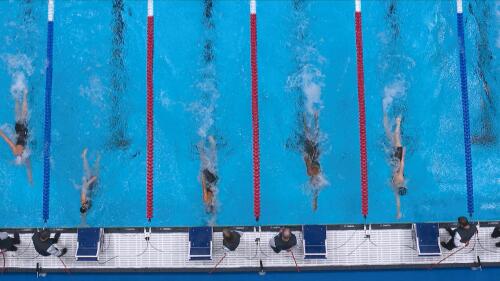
397,160
19,147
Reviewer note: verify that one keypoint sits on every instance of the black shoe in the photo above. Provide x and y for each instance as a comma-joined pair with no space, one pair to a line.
497,244
496,232
63,252
444,245
449,230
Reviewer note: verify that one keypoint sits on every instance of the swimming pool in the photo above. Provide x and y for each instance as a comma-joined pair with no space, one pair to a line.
306,62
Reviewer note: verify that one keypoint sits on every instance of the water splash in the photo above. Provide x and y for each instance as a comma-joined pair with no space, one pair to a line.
394,91
19,68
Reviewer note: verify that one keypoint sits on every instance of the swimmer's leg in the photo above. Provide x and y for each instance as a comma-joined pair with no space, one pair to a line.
213,150
86,167
315,201
96,166
24,113
397,132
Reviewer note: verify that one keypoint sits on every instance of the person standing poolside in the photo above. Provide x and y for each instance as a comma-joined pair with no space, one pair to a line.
8,243
46,246
19,147
311,156
461,235
397,160
231,239
89,182
208,174
285,240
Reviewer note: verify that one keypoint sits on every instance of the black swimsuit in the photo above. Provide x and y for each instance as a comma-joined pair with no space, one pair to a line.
398,153
22,133
210,179
312,151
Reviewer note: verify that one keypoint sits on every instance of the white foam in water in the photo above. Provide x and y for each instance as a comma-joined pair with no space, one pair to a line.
489,206
18,85
19,66
497,16
94,91
394,90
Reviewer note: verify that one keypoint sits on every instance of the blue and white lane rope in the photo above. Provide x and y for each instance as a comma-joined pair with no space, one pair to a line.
465,109
48,111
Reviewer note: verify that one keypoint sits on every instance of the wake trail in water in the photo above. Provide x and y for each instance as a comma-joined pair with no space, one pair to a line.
308,80
204,108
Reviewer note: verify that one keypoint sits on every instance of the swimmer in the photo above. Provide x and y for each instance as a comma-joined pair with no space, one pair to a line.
19,147
397,161
311,156
89,181
208,175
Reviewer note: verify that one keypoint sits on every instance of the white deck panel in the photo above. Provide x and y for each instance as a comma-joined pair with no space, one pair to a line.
169,251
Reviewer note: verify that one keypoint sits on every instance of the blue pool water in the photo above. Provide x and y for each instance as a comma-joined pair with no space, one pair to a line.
375,275
307,63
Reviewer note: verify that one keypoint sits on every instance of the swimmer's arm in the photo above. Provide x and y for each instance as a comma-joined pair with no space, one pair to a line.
308,164
83,196
29,172
91,181
398,205
8,141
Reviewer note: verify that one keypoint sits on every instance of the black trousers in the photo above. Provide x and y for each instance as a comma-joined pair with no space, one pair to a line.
450,245
496,232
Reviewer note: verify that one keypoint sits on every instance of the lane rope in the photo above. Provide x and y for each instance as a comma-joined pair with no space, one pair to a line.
149,113
361,108
255,110
48,111
465,109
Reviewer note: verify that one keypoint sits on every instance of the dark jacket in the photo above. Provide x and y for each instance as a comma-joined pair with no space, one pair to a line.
6,243
282,245
42,246
232,242
466,234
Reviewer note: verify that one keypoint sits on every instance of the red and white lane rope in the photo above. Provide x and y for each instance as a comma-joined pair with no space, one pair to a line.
255,110
149,112
361,107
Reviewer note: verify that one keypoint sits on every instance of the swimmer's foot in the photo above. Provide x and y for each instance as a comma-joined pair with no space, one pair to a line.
84,152
398,216
315,203
398,120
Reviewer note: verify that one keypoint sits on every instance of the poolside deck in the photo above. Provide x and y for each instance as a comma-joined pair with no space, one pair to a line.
167,250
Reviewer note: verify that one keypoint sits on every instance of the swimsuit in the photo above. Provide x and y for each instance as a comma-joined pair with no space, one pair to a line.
398,153
210,179
312,151
22,133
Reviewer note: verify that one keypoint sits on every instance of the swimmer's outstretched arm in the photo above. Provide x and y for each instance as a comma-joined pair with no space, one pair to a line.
8,141
91,181
29,172
398,205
